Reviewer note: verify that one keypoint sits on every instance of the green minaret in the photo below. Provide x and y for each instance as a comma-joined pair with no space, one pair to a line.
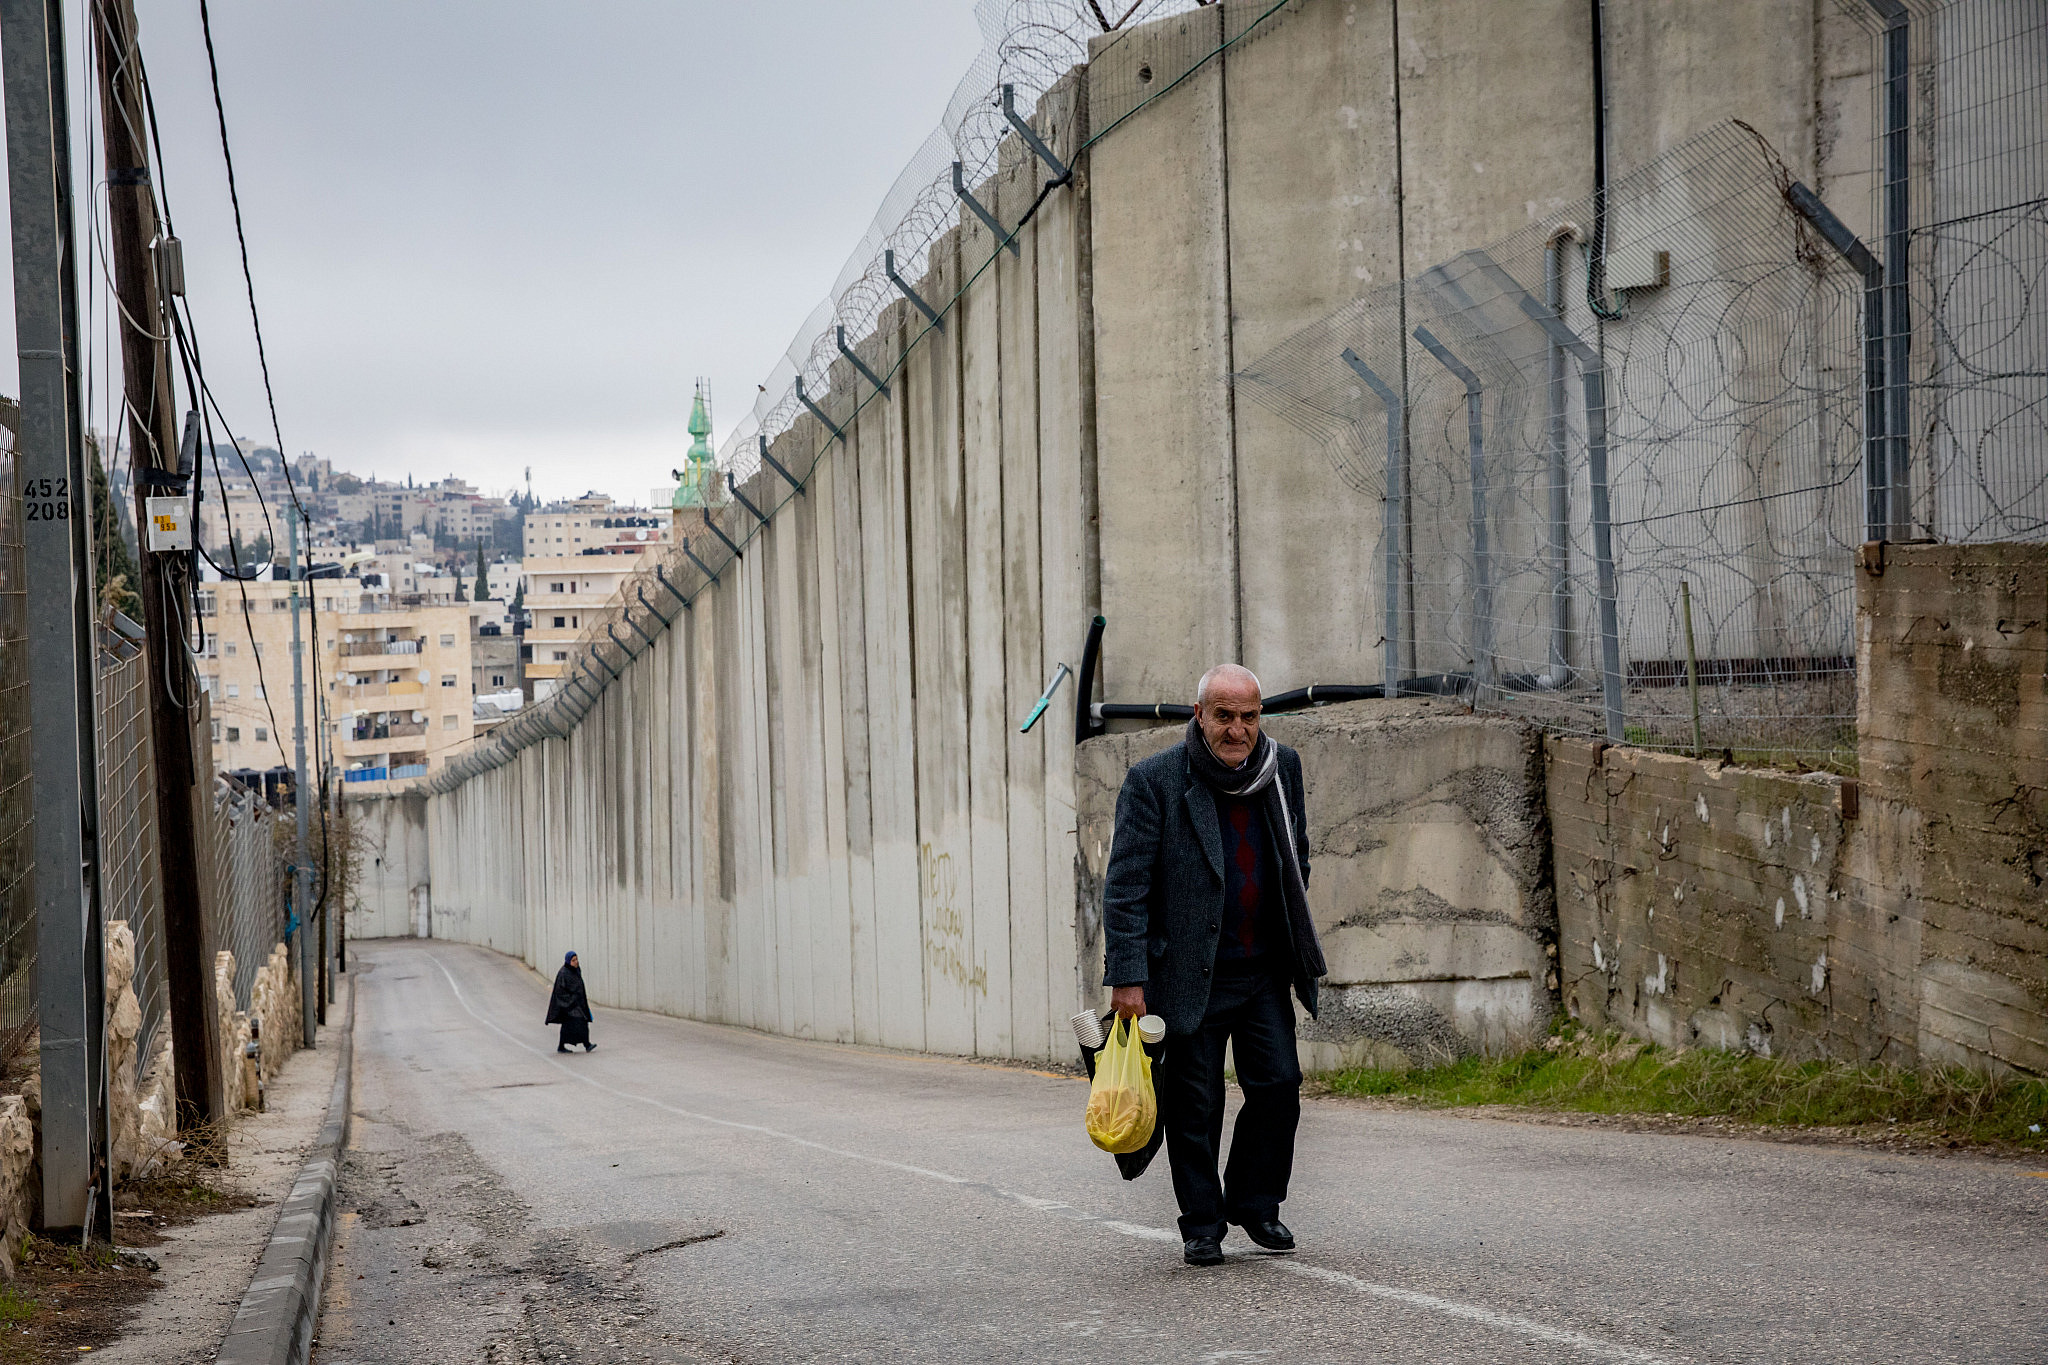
697,482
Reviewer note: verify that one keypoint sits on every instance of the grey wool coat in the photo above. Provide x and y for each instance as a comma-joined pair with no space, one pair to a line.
1162,901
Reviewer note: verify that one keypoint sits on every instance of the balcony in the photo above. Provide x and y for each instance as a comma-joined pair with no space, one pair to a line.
397,729
360,691
360,649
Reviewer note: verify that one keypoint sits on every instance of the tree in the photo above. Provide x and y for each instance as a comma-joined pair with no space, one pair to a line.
114,575
483,575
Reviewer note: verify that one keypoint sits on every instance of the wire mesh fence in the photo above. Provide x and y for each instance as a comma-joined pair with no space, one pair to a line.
130,887
248,907
246,869
1601,504
1974,330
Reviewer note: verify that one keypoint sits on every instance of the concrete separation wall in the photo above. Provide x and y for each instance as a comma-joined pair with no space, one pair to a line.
1429,877
1899,917
805,805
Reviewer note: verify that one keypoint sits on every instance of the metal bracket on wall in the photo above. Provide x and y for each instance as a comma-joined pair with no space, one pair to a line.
641,593
776,465
858,363
611,633
1836,231
838,433
988,219
599,656
673,590
1061,172
698,562
903,288
732,486
628,617
718,531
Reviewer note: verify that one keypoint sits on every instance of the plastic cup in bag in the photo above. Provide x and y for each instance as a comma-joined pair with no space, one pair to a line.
1087,1030
1151,1028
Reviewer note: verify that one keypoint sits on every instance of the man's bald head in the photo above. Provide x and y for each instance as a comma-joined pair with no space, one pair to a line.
1234,677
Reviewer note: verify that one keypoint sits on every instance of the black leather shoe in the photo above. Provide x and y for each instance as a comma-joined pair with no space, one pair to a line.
1202,1251
592,1047
559,1047
1270,1233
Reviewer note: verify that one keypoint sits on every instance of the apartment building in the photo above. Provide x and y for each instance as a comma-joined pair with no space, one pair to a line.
390,680
578,555
400,687
592,523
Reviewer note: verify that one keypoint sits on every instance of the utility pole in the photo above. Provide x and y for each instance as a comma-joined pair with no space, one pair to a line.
153,447
302,883
64,779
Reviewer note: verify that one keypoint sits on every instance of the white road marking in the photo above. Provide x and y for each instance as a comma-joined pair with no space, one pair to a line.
1509,1323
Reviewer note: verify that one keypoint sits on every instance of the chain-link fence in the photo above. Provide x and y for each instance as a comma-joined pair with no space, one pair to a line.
246,898
130,887
1598,509
1969,334
249,876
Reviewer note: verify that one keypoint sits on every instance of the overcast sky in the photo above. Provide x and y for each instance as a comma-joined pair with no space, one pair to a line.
493,235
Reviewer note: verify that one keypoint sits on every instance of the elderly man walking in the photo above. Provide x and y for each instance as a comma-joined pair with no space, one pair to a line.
1205,910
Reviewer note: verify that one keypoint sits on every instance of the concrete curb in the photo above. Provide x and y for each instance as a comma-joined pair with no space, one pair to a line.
275,1324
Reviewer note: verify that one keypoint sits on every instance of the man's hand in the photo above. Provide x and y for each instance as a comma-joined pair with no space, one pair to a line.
1128,1001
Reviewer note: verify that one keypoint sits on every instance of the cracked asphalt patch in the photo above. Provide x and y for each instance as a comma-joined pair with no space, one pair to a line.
439,1261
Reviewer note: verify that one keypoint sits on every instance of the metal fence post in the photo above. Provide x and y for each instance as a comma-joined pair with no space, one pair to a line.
70,976
1483,662
302,880
1391,521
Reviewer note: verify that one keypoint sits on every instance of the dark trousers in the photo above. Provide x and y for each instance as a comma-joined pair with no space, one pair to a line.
1252,1012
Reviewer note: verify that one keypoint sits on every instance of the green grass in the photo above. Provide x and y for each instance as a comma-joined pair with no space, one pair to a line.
1606,1074
15,1307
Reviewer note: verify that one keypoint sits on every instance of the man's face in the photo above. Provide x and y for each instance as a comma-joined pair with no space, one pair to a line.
1229,717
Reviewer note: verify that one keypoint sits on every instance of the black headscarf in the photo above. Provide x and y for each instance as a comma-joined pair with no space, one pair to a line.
1259,775
568,1000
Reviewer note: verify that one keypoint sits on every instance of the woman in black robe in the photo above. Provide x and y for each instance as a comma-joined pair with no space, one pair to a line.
570,1007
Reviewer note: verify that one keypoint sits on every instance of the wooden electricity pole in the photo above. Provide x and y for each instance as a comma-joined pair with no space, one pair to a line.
153,446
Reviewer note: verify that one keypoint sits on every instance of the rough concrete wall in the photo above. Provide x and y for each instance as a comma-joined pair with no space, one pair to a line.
1705,904
1896,918
1953,729
1429,876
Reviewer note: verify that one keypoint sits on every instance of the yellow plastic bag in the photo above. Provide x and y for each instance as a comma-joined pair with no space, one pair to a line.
1121,1106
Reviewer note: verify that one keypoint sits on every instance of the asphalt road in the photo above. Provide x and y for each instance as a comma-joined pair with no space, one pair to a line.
696,1193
